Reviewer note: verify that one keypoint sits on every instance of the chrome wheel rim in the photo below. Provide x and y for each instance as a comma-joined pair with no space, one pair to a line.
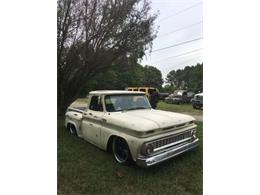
120,150
71,129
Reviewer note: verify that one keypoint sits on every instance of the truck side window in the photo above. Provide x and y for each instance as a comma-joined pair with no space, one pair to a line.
96,104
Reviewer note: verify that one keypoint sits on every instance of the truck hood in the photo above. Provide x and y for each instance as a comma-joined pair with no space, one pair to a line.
146,119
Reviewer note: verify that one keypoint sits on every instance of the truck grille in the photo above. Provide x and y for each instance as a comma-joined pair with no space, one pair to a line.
159,144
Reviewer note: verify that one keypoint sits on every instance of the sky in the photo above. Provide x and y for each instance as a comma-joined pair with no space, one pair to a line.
179,21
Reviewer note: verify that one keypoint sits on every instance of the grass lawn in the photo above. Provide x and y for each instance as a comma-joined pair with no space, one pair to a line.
184,108
85,169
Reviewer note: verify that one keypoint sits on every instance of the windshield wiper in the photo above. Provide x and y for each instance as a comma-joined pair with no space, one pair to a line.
137,108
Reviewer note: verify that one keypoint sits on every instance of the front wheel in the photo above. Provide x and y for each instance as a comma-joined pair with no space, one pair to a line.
72,130
121,151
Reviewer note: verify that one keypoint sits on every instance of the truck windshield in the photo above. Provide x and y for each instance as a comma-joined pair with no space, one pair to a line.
115,103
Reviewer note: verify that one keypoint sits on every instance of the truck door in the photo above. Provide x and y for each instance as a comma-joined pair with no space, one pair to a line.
92,123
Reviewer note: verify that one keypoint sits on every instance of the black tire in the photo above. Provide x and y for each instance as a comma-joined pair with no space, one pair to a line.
121,151
72,130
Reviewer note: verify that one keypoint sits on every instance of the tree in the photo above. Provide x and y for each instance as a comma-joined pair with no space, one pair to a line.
120,77
95,35
190,78
170,79
168,88
152,77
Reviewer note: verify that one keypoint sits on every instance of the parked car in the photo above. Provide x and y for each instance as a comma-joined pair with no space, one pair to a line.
162,96
174,99
178,97
168,99
190,95
124,123
197,101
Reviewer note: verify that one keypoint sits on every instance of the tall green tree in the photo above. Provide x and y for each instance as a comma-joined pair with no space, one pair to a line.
152,77
191,78
120,77
171,78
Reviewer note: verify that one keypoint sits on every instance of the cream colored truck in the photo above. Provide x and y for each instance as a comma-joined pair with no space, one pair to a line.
124,123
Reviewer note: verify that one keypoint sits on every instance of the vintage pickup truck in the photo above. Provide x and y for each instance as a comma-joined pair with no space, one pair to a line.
124,123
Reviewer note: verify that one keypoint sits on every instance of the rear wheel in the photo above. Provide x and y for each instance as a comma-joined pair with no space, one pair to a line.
121,151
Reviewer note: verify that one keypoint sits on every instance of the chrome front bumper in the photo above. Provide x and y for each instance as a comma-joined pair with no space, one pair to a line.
165,155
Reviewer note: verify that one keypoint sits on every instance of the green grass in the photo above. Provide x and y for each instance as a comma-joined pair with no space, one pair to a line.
183,108
85,169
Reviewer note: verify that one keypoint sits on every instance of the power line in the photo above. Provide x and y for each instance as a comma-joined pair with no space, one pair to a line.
179,29
182,54
178,44
184,10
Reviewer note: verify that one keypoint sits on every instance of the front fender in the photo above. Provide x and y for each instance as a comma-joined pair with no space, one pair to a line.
133,143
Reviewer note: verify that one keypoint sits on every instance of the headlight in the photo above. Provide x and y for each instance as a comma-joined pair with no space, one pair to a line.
147,149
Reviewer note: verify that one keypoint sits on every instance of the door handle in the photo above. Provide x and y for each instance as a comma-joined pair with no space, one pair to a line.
104,120
90,114
90,124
